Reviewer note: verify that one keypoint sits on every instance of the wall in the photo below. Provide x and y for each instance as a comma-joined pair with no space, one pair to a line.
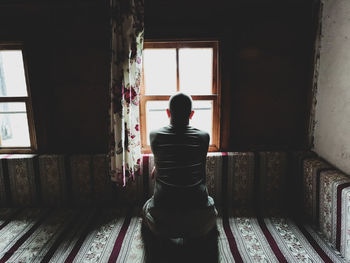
267,57
332,130
67,50
266,51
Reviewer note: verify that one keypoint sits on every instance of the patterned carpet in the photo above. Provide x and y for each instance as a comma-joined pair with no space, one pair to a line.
112,235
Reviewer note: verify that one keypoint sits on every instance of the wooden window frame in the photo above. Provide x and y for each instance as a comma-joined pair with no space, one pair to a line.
215,97
26,99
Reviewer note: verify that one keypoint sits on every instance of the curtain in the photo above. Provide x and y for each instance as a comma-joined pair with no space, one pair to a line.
126,69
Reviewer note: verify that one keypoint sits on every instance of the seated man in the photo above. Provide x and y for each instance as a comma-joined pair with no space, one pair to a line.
180,206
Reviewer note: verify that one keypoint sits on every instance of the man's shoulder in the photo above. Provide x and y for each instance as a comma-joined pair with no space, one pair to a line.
154,133
160,130
200,132
166,130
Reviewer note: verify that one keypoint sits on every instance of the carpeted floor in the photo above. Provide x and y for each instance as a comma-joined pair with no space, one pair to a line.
112,235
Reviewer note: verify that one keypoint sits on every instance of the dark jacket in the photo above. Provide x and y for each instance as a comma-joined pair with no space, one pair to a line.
180,161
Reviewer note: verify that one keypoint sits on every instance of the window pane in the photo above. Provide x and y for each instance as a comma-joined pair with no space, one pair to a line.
156,116
160,71
203,116
12,77
12,107
196,70
14,130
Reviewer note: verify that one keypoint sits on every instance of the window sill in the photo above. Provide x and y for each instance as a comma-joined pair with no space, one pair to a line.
4,151
147,149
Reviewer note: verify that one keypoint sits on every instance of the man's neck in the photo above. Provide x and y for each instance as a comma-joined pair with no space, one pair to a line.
178,125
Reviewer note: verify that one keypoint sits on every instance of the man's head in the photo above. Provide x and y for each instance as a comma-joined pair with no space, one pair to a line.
180,109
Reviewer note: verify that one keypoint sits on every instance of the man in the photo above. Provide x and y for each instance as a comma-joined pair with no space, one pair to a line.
180,206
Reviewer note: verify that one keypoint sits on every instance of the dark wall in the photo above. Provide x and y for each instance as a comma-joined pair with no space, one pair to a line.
266,51
67,50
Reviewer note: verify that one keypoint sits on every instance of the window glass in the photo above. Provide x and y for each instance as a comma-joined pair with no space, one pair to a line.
156,116
203,116
196,70
12,77
14,130
159,71
186,66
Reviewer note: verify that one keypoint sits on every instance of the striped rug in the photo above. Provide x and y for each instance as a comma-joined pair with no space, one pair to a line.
114,235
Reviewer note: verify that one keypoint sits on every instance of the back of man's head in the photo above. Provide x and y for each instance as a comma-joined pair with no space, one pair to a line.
180,106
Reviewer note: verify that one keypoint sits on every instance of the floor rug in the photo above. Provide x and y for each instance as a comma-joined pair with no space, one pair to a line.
114,235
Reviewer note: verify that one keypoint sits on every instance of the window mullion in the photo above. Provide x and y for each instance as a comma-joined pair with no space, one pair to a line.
13,99
177,71
204,97
155,97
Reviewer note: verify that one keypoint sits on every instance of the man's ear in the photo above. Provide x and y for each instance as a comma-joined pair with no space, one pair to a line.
168,112
192,112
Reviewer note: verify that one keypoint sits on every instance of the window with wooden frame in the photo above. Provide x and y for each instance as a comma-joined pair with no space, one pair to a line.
17,134
186,66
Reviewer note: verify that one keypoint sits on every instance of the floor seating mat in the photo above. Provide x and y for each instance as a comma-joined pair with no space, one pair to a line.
114,235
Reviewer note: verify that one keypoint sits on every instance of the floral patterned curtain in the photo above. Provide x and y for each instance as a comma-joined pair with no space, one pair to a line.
126,68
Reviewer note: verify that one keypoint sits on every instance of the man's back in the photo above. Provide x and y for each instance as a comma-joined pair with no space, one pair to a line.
180,155
180,159
180,205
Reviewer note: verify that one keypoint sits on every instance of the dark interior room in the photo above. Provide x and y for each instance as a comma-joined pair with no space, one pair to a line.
85,89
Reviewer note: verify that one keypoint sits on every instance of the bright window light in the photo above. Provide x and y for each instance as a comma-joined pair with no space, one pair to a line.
196,70
156,115
14,125
180,66
12,79
14,101
160,71
203,116
158,118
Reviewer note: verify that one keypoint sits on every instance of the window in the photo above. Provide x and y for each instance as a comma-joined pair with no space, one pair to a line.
16,121
188,66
